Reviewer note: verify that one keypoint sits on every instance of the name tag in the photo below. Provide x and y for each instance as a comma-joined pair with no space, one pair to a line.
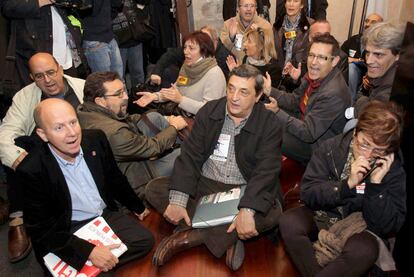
222,148
360,189
291,34
182,80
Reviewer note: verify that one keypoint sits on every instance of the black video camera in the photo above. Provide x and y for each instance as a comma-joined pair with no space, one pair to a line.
77,4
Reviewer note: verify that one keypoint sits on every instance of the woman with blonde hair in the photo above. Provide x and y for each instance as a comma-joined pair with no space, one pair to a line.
260,52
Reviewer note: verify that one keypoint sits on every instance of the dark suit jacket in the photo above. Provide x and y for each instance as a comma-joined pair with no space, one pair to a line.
47,202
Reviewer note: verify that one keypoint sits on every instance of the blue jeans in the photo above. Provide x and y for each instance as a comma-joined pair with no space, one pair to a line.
133,57
163,166
103,56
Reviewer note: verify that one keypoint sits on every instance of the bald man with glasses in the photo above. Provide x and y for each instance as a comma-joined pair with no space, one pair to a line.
17,134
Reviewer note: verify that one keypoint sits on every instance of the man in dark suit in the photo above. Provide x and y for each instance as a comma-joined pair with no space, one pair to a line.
70,179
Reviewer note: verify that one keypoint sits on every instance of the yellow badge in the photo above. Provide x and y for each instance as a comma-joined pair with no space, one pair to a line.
182,80
291,34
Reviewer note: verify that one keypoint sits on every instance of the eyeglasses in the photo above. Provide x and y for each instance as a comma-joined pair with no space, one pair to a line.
42,75
366,147
246,6
119,93
319,58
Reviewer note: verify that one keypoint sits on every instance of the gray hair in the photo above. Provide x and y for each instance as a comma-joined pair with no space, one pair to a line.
384,35
248,71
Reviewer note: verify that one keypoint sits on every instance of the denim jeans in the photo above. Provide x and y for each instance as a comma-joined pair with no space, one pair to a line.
133,57
163,166
103,56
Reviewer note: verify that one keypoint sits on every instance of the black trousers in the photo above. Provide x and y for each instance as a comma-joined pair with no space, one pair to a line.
136,237
299,231
216,238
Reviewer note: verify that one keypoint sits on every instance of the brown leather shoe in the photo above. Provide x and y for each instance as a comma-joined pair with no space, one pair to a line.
175,243
235,255
4,211
19,243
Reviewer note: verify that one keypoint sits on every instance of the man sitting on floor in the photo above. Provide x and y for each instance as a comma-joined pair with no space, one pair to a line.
234,142
132,138
70,179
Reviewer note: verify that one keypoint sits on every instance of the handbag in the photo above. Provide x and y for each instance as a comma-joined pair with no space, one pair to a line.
129,25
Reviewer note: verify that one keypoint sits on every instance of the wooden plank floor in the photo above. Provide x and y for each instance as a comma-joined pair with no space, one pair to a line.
263,258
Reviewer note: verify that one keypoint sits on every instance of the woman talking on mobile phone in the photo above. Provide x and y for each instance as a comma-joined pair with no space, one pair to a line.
355,199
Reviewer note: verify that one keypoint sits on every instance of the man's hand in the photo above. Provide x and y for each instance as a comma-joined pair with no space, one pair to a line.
155,79
384,165
232,28
177,121
273,105
45,2
244,225
174,213
365,82
172,94
142,215
19,159
146,98
102,257
293,72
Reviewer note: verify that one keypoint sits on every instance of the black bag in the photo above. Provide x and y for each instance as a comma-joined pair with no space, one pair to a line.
128,25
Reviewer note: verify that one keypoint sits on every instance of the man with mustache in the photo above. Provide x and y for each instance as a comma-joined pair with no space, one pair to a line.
313,112
133,140
17,139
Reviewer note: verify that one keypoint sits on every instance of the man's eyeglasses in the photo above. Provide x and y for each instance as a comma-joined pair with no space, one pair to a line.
118,93
366,147
42,75
319,58
246,6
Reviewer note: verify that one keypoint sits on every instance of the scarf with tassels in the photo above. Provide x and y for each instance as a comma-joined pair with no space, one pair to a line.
190,75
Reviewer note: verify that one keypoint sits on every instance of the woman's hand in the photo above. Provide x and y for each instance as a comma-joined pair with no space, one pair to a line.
172,94
146,98
383,166
231,62
267,84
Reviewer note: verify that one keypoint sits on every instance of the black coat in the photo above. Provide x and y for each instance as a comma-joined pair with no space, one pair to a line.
47,201
257,150
383,205
34,32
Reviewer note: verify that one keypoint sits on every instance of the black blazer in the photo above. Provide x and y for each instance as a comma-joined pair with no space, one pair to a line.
47,202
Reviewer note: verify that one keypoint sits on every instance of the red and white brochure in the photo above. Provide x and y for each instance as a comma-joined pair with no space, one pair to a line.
97,232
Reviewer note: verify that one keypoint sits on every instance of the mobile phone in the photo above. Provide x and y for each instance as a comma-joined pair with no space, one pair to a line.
373,165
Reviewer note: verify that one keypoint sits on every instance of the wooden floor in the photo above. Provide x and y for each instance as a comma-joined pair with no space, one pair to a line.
263,258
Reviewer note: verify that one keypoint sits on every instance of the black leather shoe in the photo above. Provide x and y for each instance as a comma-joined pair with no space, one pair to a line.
19,243
235,255
175,243
4,211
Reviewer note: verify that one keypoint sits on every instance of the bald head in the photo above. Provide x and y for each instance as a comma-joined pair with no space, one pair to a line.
318,28
48,107
47,74
372,19
57,124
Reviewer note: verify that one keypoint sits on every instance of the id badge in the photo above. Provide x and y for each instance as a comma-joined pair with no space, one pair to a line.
222,148
291,34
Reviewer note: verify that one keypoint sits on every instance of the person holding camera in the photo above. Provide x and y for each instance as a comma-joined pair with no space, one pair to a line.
43,26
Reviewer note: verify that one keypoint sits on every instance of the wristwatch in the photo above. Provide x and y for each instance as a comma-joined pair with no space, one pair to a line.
249,210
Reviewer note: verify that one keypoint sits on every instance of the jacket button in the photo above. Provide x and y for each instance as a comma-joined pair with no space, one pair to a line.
381,196
335,189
